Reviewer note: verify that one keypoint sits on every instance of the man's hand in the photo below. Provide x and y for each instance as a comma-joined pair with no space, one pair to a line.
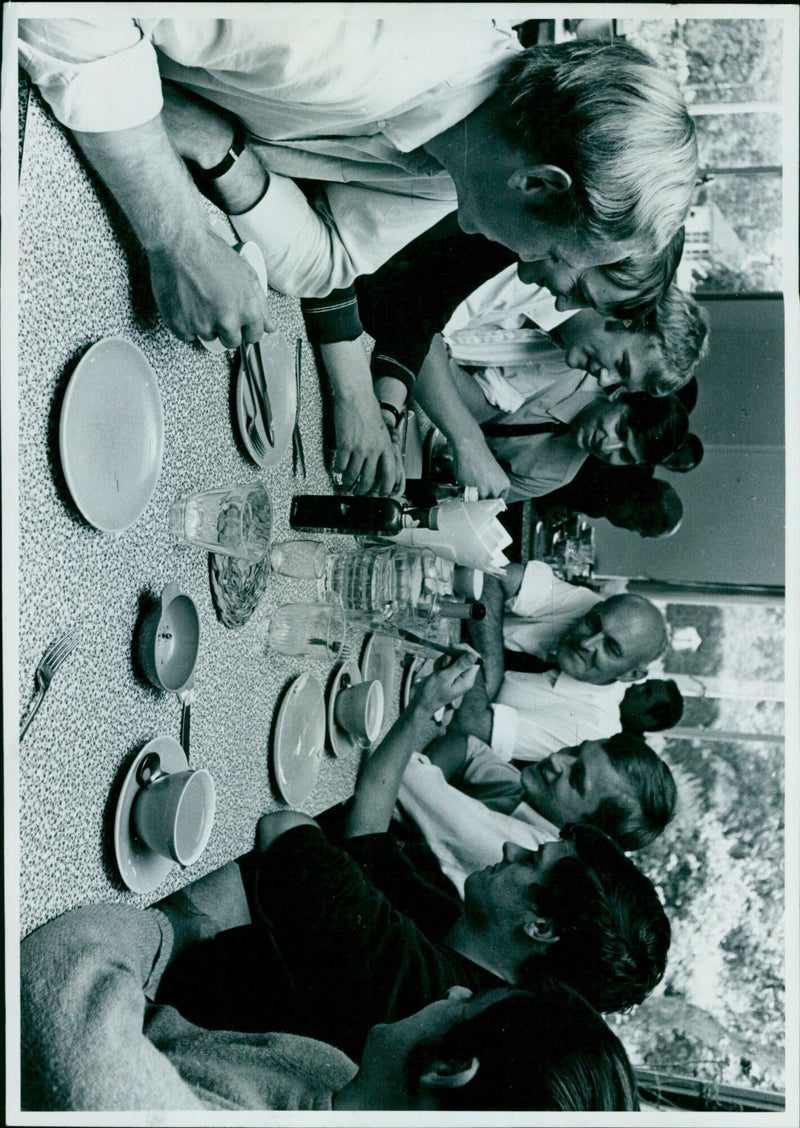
367,458
475,465
209,291
444,686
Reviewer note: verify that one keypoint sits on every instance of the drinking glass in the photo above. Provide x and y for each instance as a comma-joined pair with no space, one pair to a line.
301,559
232,520
307,630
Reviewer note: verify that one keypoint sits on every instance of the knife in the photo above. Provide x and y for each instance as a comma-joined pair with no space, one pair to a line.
259,380
298,454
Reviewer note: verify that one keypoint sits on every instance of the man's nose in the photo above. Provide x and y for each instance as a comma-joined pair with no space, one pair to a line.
608,380
566,301
593,641
512,852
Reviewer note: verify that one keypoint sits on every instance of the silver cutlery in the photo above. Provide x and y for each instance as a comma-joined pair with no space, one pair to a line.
251,409
58,650
258,386
298,454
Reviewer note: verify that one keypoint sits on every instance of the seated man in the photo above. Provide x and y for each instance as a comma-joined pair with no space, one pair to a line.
468,803
544,640
393,148
651,706
628,497
543,445
92,1040
363,936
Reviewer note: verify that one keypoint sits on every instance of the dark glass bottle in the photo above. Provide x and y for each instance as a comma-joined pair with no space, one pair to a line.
340,513
461,609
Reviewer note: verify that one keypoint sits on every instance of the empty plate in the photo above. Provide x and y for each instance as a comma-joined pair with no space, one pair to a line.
111,434
299,739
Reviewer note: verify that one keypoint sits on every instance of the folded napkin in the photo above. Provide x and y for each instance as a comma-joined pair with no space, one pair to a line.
468,534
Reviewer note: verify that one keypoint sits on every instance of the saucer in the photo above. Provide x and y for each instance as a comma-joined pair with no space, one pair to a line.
340,741
378,662
141,869
299,739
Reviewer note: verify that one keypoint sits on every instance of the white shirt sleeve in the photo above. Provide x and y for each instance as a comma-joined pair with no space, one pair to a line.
309,251
463,834
98,75
504,730
542,592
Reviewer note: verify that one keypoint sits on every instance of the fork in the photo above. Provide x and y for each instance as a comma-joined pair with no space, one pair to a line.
58,650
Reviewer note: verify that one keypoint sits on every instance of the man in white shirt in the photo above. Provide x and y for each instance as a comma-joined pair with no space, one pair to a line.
591,650
402,121
617,784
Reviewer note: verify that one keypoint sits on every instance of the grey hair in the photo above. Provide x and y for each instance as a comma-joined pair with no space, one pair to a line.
617,123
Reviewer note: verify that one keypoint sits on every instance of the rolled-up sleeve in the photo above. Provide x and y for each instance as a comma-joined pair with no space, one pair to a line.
504,731
98,76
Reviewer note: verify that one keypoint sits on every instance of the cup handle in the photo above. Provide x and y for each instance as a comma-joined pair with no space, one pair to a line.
149,770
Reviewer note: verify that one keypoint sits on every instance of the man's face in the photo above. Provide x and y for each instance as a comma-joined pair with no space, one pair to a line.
487,204
610,642
570,784
501,894
574,286
610,350
637,704
602,429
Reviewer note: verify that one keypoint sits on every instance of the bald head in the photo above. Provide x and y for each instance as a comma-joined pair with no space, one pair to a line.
615,641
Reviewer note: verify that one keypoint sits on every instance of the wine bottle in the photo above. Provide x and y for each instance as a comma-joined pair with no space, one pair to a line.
339,513
420,492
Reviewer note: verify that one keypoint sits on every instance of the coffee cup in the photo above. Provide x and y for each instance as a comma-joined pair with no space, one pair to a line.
359,709
174,814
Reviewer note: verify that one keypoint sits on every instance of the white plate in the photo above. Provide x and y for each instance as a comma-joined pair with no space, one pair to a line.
111,435
378,662
340,741
141,868
299,739
278,363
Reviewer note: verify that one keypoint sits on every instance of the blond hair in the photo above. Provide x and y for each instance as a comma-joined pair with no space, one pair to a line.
618,124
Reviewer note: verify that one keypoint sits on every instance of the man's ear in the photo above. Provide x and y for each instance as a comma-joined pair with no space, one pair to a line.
449,1074
633,675
541,929
539,182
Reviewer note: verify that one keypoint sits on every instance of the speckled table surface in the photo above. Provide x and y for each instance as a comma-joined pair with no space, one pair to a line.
82,278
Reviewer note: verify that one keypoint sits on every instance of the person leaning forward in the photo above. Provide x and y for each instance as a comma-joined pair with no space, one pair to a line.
364,937
395,147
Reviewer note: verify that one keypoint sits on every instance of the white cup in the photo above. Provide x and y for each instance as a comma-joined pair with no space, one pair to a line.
174,814
359,709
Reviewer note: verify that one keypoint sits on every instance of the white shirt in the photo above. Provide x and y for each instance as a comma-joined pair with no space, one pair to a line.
489,329
536,714
463,833
348,102
537,616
